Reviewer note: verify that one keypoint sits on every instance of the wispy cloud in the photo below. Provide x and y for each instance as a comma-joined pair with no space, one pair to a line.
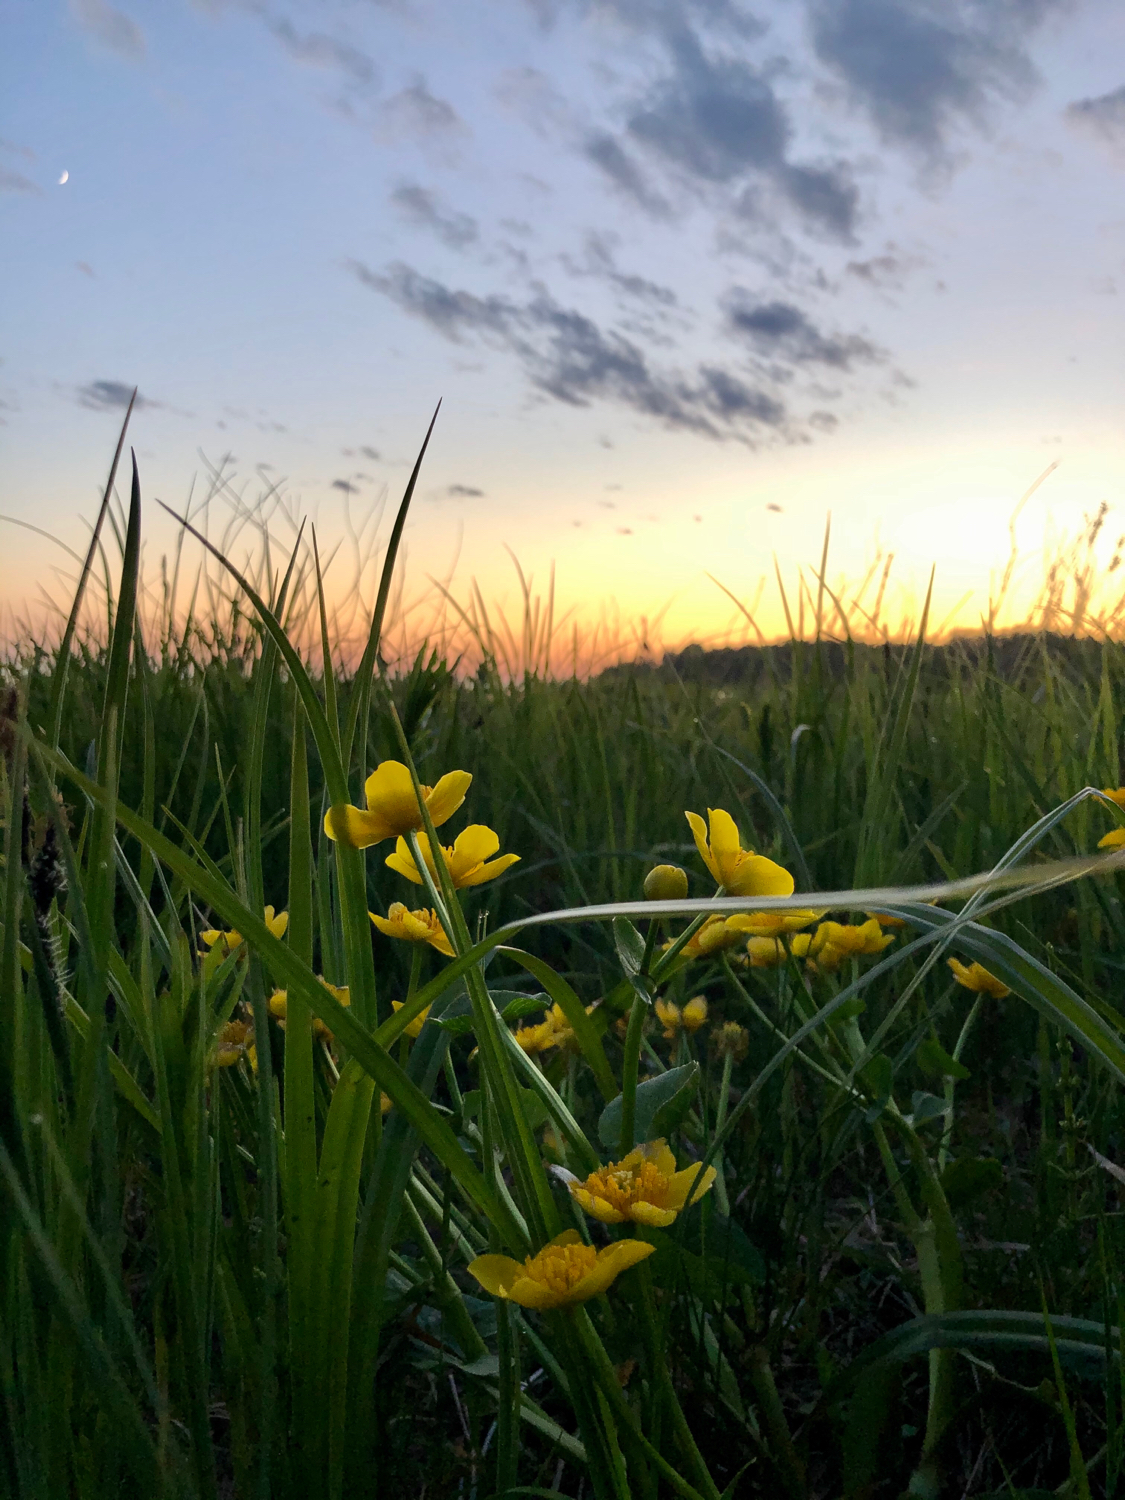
567,356
111,27
110,395
15,182
423,208
319,50
414,113
1104,114
464,492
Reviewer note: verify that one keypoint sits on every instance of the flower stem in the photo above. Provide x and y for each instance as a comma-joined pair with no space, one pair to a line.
629,1070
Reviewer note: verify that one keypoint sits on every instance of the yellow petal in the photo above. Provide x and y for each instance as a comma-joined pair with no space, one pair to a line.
487,872
681,1184
391,799
537,1294
447,796
496,1273
402,862
726,841
1112,840
474,844
351,825
758,876
597,1208
648,1213
610,1263
699,834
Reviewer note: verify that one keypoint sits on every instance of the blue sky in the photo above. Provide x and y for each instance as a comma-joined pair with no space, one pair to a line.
687,275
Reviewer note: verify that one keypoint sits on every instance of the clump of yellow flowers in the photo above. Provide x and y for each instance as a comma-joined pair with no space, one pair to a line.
644,1187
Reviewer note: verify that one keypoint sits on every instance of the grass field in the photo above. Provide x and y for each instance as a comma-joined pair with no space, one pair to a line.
264,1234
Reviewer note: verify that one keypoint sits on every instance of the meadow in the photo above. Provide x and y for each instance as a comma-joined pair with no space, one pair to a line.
777,1151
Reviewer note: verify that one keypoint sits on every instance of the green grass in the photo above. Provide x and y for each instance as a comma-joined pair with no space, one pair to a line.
252,1281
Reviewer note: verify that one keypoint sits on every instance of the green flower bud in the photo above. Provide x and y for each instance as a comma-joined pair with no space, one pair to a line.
666,883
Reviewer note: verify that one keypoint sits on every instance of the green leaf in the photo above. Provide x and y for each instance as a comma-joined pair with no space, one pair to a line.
630,946
519,1006
662,1103
925,1107
969,1177
935,1060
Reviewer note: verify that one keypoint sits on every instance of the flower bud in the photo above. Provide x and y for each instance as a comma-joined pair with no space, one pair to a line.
666,883
694,1013
731,1040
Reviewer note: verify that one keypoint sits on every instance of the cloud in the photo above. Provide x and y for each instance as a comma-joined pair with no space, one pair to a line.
372,453
567,356
110,27
1105,114
886,272
16,182
346,486
779,329
718,120
110,395
416,114
599,261
319,50
421,207
624,173
464,492
918,66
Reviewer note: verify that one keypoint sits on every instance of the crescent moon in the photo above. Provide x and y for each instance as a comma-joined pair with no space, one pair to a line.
64,178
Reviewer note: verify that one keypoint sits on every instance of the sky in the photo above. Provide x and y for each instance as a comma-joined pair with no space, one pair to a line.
688,276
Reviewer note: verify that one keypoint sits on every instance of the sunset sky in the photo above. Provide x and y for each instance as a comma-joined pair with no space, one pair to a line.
688,275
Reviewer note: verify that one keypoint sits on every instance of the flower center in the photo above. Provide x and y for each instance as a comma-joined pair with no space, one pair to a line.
561,1266
621,1187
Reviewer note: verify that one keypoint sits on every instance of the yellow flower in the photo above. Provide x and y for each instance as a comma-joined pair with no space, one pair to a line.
884,919
414,927
279,1006
235,1039
564,1272
1113,840
419,1020
740,871
766,952
386,1104
775,923
976,977
469,861
666,883
716,934
392,807
695,1013
669,1016
227,942
554,1030
834,941
643,1187
1115,794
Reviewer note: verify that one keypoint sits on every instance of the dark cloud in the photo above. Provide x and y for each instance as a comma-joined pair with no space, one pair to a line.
110,395
416,114
84,267
110,27
464,492
718,120
567,356
322,51
421,207
372,453
624,173
346,486
779,329
918,66
1104,114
